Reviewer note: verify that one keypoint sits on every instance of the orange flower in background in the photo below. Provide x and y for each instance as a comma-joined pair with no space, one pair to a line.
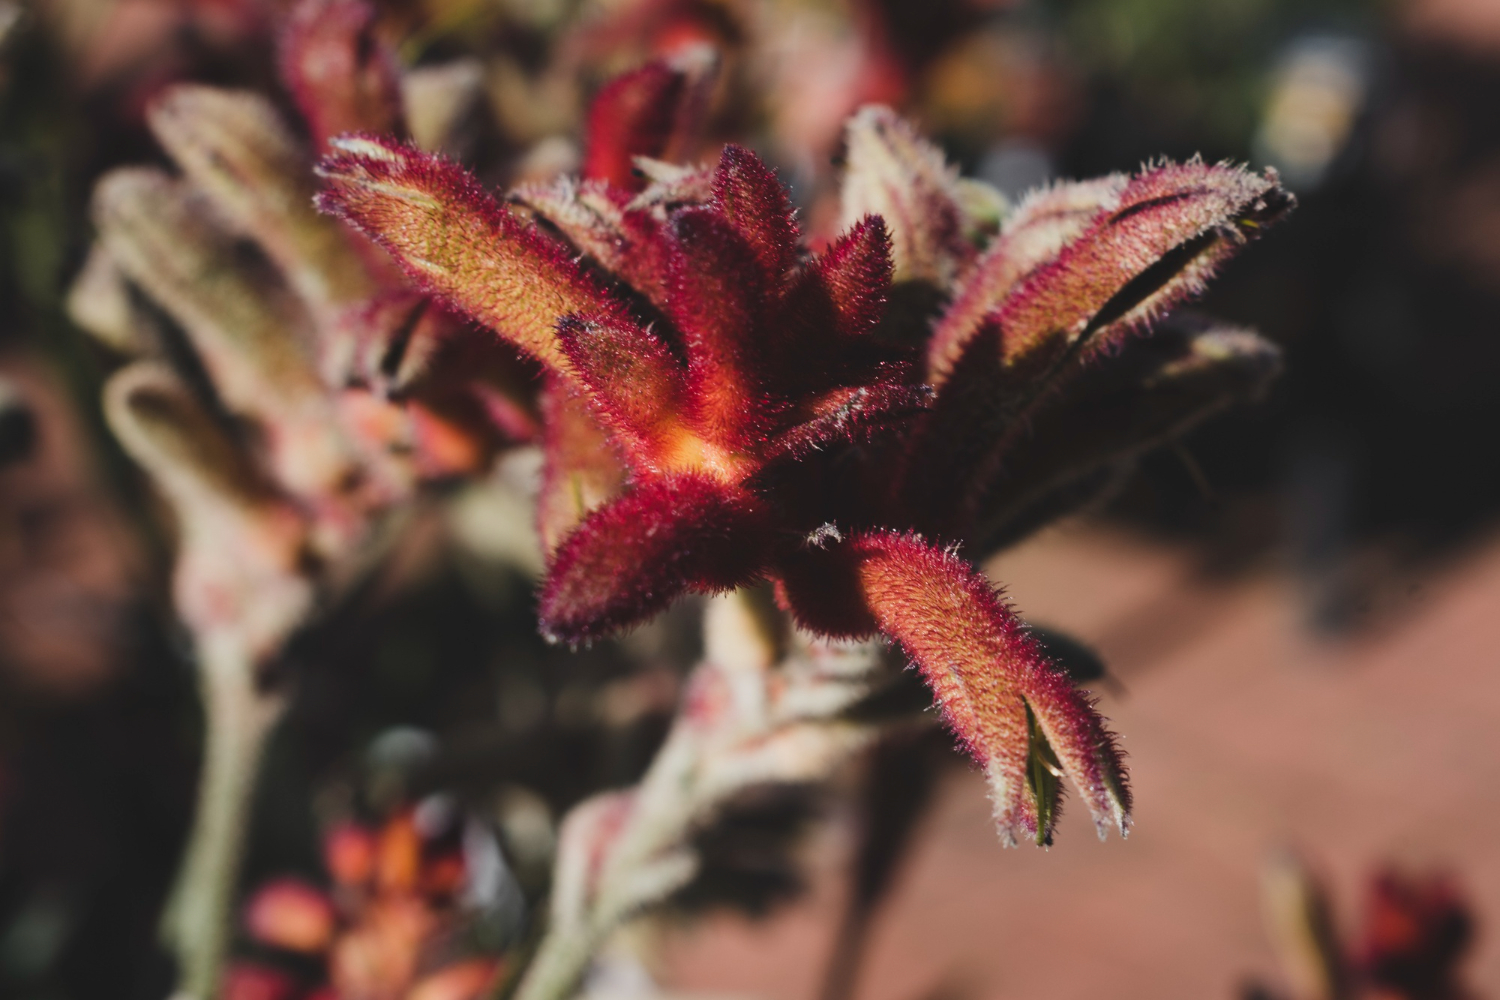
392,924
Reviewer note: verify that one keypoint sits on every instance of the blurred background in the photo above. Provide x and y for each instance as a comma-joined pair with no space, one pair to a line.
1296,606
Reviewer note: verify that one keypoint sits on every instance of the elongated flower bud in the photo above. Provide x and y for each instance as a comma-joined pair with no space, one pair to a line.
894,173
235,148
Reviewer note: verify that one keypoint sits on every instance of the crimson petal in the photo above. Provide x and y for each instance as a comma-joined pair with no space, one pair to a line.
633,557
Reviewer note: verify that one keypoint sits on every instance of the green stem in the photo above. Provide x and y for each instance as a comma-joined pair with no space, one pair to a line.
647,860
659,819
237,720
559,964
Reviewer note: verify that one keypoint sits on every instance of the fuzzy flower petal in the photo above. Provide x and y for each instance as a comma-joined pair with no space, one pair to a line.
584,469
1035,233
894,173
1172,227
1020,716
750,197
632,557
632,377
456,241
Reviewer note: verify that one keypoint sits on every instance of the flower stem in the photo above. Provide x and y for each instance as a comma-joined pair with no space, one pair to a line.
237,720
559,964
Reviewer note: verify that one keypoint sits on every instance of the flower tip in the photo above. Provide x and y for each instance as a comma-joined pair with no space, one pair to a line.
365,145
329,203
571,635
872,114
1117,817
354,156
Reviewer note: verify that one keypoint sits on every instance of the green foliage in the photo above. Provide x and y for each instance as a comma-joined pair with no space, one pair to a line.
1203,61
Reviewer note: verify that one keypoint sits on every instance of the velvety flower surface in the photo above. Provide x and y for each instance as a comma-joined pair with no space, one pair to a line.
760,413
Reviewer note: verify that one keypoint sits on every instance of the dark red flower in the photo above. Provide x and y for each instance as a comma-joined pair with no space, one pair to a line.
765,416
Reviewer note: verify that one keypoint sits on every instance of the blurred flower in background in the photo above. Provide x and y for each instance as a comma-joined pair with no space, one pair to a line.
1318,90
1413,934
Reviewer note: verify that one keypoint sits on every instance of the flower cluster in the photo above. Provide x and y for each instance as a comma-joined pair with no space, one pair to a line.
330,388
1414,933
288,391
846,420
725,406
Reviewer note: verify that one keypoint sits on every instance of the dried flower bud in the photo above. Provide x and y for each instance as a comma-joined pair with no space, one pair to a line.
100,303
253,338
238,580
439,101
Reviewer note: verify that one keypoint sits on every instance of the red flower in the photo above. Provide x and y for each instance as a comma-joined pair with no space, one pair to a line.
764,416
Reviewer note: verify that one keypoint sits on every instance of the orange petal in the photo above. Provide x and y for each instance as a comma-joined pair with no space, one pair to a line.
467,980
288,913
349,853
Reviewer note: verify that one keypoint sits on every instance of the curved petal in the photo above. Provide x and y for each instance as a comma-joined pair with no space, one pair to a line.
1020,716
637,554
1048,220
1172,227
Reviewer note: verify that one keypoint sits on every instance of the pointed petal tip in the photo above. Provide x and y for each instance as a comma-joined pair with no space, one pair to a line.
750,196
366,144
